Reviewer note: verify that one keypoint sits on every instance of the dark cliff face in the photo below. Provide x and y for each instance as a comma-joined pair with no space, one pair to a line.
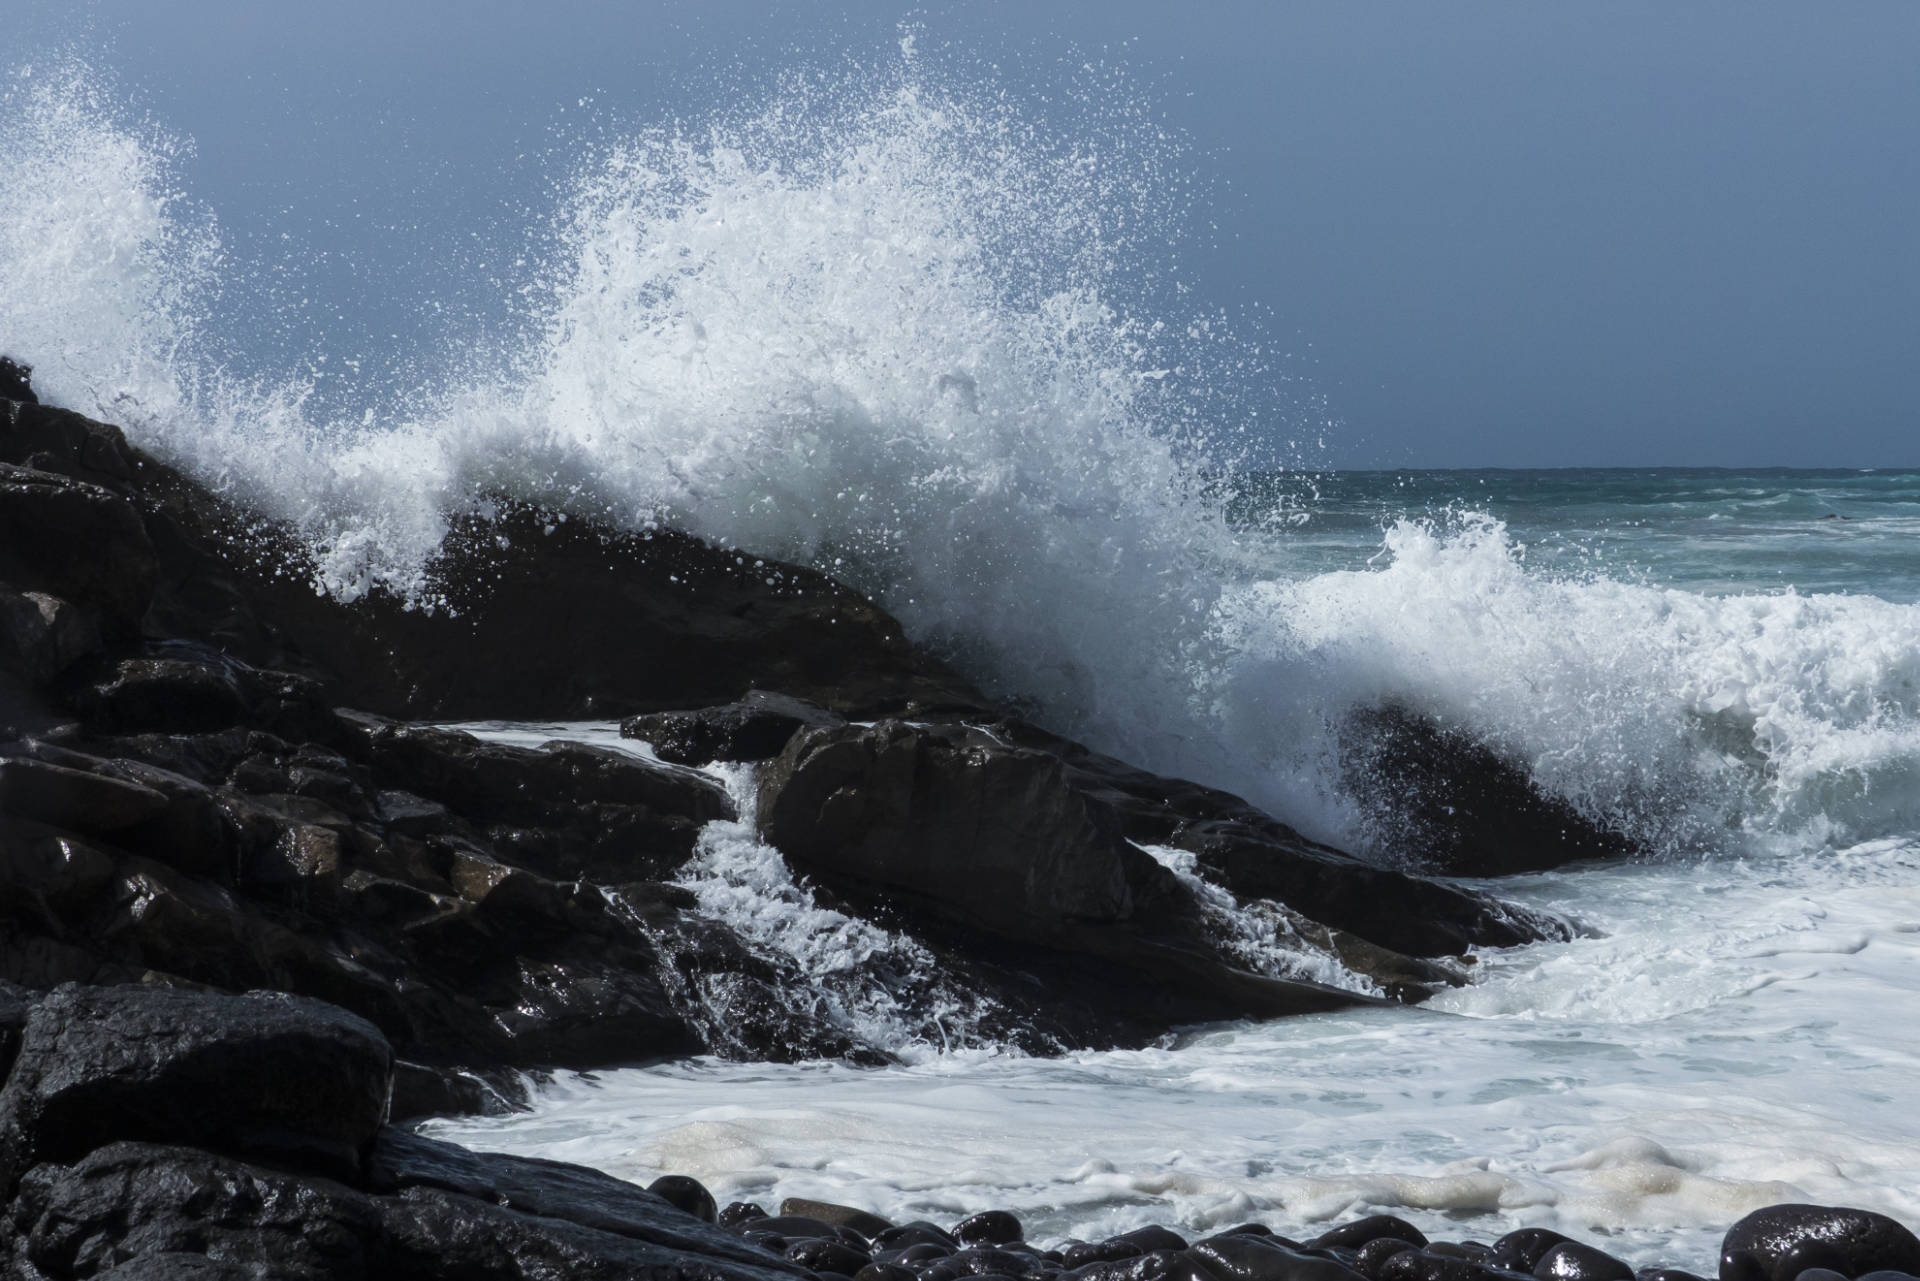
212,774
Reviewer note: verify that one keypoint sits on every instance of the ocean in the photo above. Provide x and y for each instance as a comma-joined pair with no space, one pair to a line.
898,332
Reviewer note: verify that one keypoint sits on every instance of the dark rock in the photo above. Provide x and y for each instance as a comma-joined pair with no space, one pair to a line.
131,1202
986,1260
15,1004
1153,1237
1161,1265
421,1091
1522,1249
686,1194
276,1076
401,1162
1426,1265
988,836
1258,857
1252,1258
924,1252
1111,1250
884,1272
736,1215
794,1227
1463,810
1368,1260
757,728
919,1232
833,1257
173,1265
1665,1274
952,826
1372,1228
78,542
1573,1261
1472,1251
989,1227
1782,1241
42,636
840,1216
16,381
83,801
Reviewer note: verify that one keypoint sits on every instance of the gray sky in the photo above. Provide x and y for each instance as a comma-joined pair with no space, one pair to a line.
1491,233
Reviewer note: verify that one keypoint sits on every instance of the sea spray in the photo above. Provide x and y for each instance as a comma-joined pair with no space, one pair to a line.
889,324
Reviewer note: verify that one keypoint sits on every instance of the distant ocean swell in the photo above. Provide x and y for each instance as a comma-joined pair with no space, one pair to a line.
885,325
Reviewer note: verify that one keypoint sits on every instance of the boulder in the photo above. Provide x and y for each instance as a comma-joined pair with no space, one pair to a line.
133,1209
1577,1261
1780,1242
278,1076
403,1162
959,824
757,728
78,542
42,636
16,381
1461,809
77,799
1374,1227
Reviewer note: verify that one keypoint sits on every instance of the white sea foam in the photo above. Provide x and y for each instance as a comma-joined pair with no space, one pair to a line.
1724,1046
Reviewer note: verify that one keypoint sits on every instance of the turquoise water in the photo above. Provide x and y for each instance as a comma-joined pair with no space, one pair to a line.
1711,530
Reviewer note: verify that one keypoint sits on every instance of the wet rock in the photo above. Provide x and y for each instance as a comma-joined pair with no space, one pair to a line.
686,1194
757,728
16,381
15,1004
794,1227
421,1090
1427,1265
988,836
841,1216
1780,1242
78,542
1372,1228
1257,857
1522,1249
1574,1261
918,1233
403,1163
952,826
831,1257
130,1203
1665,1274
736,1214
1252,1258
76,799
989,1227
42,636
270,1075
1462,809
1369,1258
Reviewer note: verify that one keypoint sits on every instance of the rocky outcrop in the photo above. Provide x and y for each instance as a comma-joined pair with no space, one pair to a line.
1458,808
186,799
147,1132
989,843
